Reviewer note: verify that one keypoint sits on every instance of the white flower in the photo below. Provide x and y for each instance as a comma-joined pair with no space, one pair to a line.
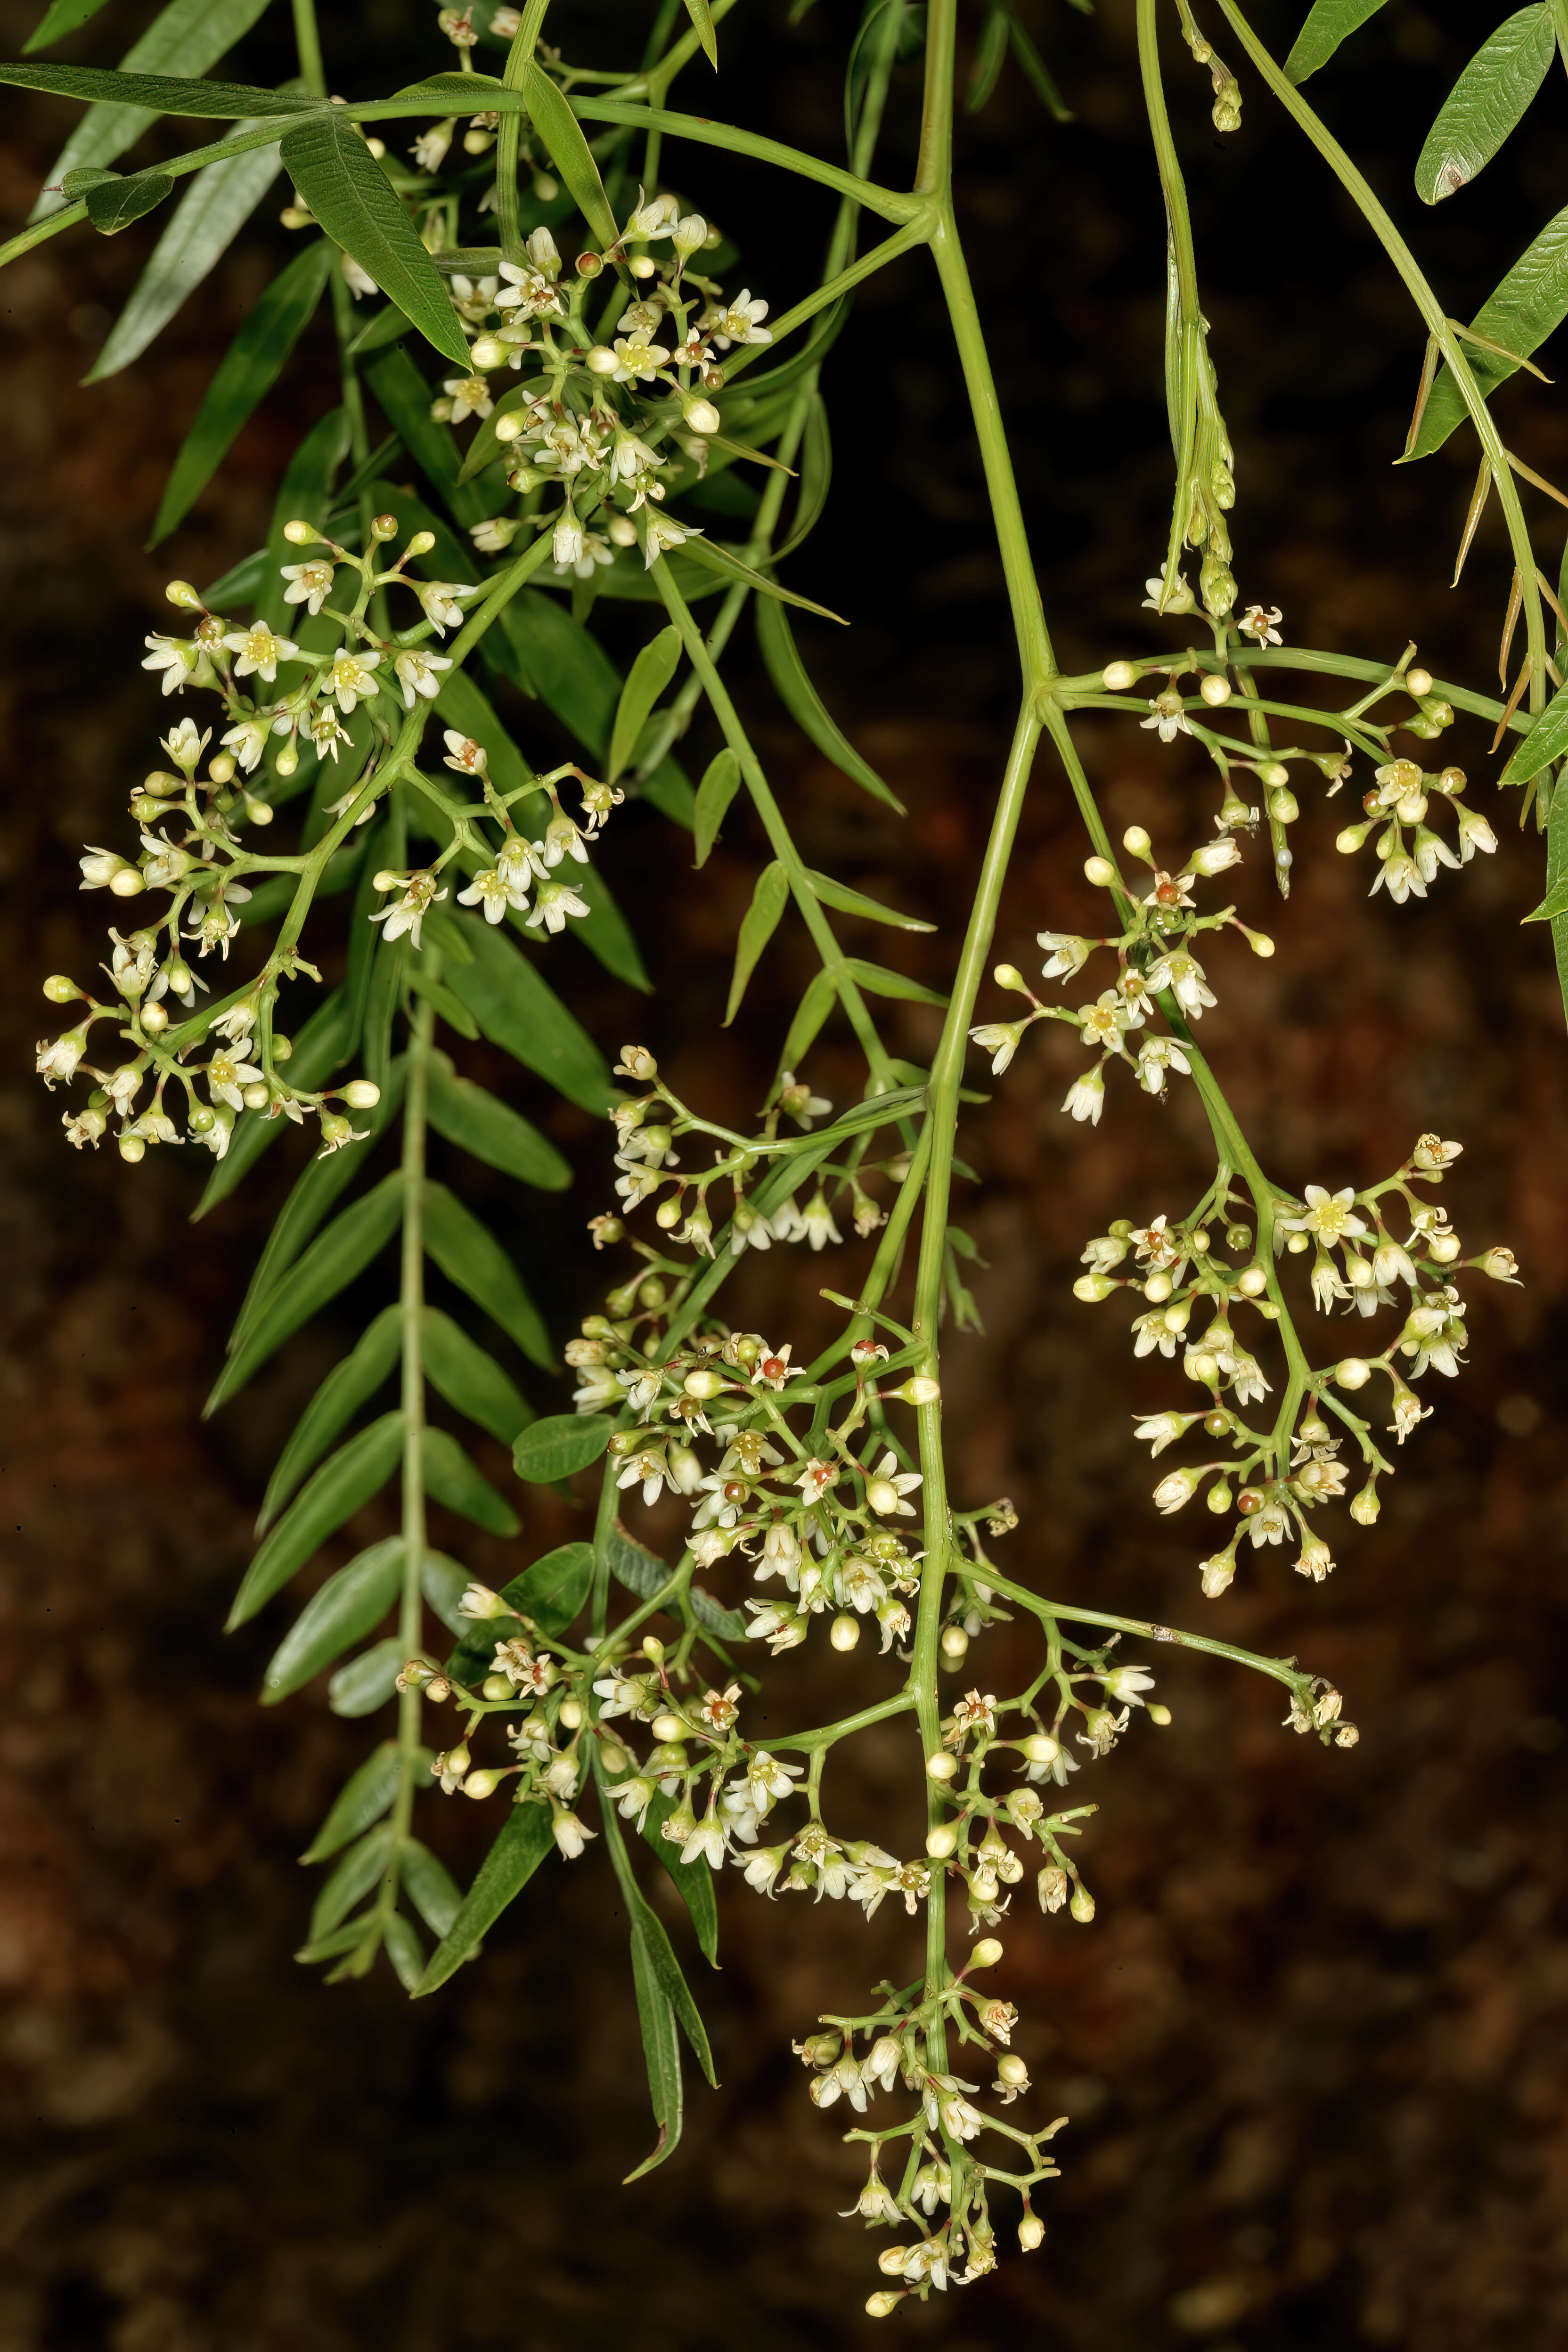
488,890
1067,954
819,1219
429,150
1155,1056
553,901
58,1062
407,913
526,290
885,1491
638,360
593,549
1429,852
741,322
351,679
1165,712
1000,1039
493,537
248,741
225,1078
706,1842
796,1098
1159,1430
309,584
1086,1097
1258,621
175,657
569,1832
664,531
469,395
1475,833
439,601
1328,1216
1180,600
463,754
1183,974
653,218
258,650
416,674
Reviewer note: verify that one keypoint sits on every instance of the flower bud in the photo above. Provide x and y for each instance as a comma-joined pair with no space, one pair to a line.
920,1389
1118,675
131,1149
884,2301
154,1019
601,361
483,1784
954,1644
1100,871
703,1385
1352,1372
702,417
1418,682
845,1632
985,1955
1158,1714
1092,1287
180,592
666,1726
941,1840
1082,1906
1215,691
942,1766
1007,975
1040,1748
1031,2233
1136,841
59,989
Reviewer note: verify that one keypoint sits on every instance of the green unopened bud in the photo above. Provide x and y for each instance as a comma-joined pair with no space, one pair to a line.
986,1953
59,989
180,592
483,1783
1082,1906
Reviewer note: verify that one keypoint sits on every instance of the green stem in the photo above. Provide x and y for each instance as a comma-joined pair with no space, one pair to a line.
411,1312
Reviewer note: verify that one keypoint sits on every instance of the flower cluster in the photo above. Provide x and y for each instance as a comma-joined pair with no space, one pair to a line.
1154,959
1403,796
607,416
1195,1291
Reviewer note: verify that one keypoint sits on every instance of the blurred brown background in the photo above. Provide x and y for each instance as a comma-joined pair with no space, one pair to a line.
1312,2044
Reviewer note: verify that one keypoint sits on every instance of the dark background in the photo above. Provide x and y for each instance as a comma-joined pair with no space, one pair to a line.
1312,2045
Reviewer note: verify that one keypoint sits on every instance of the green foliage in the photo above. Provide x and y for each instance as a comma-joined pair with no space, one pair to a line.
1486,103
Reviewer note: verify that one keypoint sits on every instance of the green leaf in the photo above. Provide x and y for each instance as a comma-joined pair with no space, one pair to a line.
210,215
879,1110
649,674
1486,103
562,134
347,1388
113,205
86,177
332,1260
305,495
667,1970
321,1045
892,983
351,1601
701,18
473,1259
524,1841
469,1380
757,927
632,1565
564,1441
854,902
554,1590
353,1878
404,397
343,1485
714,558
405,1951
444,1580
714,1618
62,16
362,1802
480,1123
351,196
694,1879
815,1007
452,1479
553,656
720,781
805,705
368,1681
1329,23
661,2052
359,1935
521,1012
1529,305
315,1190
452,1009
246,373
1546,741
159,74
815,476
605,931
990,51
434,1890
